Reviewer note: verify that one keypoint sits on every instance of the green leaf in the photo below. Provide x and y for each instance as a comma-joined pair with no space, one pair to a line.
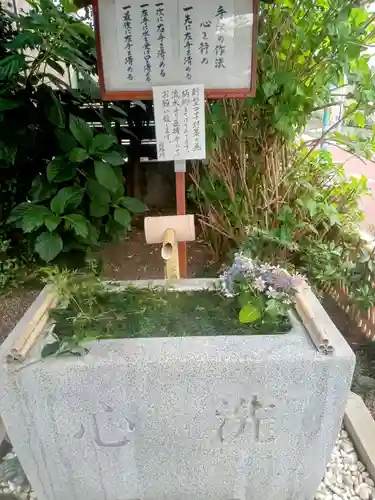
114,229
67,198
18,212
93,235
133,204
50,349
106,176
48,245
245,298
51,221
78,223
81,131
55,112
60,170
11,65
269,88
6,104
311,207
69,6
119,110
78,155
359,119
122,216
33,218
98,209
249,313
97,192
65,139
113,158
41,189
102,142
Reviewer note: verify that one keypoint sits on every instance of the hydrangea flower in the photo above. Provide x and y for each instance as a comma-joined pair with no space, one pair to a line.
274,281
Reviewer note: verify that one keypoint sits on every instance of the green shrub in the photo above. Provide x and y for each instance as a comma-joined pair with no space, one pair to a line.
257,173
69,184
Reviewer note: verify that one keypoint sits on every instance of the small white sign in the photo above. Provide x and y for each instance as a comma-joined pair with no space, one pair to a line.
180,122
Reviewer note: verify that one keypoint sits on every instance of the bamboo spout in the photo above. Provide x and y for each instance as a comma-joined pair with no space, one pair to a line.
169,253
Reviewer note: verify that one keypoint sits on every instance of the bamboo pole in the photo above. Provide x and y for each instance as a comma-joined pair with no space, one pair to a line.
170,254
317,333
29,335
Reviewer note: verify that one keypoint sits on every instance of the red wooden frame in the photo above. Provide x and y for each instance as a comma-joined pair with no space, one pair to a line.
134,95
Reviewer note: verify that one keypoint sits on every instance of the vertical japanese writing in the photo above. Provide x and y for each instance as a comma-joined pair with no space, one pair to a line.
166,124
188,42
175,120
145,21
185,102
128,38
179,122
196,119
160,28
204,46
220,48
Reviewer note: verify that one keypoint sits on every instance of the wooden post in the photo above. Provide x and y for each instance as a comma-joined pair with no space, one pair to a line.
181,210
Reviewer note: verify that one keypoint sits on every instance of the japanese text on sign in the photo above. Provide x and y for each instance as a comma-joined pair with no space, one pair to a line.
179,122
146,44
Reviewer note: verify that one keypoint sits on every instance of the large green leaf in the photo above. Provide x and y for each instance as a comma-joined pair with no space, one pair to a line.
78,155
81,131
133,204
51,221
113,158
11,65
18,212
123,217
60,170
25,39
102,142
98,193
48,245
106,176
249,313
98,209
67,198
33,217
78,223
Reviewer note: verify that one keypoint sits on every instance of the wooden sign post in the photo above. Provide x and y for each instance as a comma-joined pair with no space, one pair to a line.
177,52
180,136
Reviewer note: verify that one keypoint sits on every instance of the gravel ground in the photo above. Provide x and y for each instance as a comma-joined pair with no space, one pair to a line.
346,477
12,307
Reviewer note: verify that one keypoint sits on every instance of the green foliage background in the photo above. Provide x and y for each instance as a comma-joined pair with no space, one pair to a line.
66,176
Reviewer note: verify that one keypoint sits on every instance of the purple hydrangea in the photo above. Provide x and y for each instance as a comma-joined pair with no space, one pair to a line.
272,280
